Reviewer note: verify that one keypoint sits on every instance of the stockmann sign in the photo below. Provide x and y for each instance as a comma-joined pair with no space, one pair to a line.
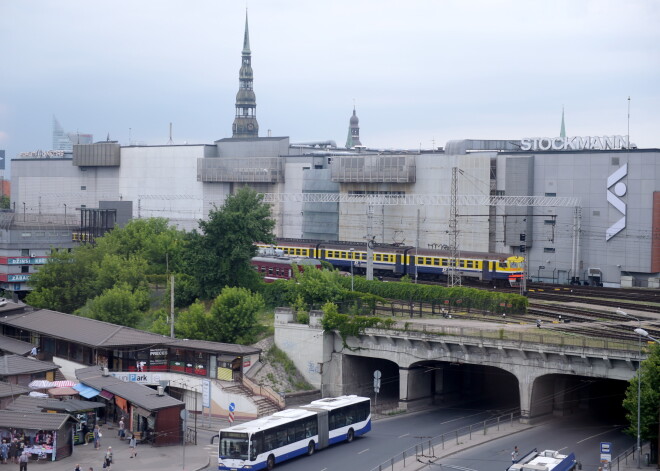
574,143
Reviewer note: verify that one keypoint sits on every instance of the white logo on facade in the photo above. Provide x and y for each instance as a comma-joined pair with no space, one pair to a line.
574,143
614,198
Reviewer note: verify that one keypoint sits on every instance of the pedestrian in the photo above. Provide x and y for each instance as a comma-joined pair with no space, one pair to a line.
108,459
85,432
122,431
97,437
78,468
538,323
132,444
23,461
4,451
12,450
514,455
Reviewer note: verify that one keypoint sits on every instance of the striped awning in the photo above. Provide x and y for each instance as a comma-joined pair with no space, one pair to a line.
64,384
86,391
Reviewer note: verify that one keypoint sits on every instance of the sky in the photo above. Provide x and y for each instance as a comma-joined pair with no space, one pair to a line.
419,72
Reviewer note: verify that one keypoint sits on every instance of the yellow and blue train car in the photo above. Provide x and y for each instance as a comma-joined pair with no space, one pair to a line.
392,260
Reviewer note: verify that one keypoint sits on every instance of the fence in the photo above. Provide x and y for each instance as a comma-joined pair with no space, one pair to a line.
627,458
515,336
427,447
263,391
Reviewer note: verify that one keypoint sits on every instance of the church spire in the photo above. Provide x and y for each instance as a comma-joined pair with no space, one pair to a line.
353,131
562,132
245,122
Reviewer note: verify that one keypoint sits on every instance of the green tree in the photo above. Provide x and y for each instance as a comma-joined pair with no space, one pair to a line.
151,239
234,315
118,305
314,287
66,281
194,323
4,202
220,255
649,372
114,269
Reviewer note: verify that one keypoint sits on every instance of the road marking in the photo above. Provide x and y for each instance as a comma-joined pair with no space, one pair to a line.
360,452
324,469
563,448
458,467
404,435
593,436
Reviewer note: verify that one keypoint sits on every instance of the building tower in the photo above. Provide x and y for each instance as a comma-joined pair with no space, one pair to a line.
353,132
245,123
562,131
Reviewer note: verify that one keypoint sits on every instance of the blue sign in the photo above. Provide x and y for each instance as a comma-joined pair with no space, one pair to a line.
605,447
15,278
232,407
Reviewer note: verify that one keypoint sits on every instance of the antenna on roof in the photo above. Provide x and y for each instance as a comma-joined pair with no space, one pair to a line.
170,142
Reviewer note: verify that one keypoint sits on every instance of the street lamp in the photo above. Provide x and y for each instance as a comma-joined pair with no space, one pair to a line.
352,252
644,333
639,331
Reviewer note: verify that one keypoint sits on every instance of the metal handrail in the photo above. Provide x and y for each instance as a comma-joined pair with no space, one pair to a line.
428,444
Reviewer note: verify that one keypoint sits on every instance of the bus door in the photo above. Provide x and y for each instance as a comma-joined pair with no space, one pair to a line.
323,428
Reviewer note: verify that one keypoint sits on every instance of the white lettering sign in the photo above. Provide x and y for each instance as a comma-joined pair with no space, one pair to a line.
574,143
614,198
42,154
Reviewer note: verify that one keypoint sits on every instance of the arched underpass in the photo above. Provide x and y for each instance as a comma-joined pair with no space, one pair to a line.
561,394
431,382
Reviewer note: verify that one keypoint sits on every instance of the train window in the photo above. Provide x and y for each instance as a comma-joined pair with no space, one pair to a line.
461,263
364,256
377,257
445,262
428,261
470,264
502,264
277,271
290,274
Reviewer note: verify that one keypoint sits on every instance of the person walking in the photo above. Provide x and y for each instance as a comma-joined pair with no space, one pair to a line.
108,459
78,468
85,432
132,444
23,461
97,437
514,455
122,431
4,451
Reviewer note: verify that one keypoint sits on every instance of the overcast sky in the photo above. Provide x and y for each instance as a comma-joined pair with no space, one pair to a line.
421,72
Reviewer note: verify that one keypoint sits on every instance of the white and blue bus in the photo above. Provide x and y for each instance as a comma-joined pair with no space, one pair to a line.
261,443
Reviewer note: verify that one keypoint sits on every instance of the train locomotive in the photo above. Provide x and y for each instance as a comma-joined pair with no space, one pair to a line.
397,261
273,264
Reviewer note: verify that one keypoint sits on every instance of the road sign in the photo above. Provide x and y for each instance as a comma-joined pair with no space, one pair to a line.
606,452
232,408
377,375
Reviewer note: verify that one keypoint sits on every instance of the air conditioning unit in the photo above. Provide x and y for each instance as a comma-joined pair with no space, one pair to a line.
33,255
160,391
106,372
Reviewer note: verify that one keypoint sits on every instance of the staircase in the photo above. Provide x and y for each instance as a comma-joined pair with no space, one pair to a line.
265,406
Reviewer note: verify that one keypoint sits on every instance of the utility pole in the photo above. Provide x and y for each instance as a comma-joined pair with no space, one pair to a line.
453,275
370,243
172,306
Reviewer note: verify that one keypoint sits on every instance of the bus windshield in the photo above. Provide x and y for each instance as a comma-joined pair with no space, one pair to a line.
233,445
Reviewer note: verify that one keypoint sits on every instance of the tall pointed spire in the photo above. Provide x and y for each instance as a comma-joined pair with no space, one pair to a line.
246,36
245,122
353,131
562,132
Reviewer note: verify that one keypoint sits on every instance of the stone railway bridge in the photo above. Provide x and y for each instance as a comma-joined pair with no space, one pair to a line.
539,371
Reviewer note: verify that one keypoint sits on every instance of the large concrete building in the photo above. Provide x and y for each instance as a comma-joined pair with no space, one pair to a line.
587,208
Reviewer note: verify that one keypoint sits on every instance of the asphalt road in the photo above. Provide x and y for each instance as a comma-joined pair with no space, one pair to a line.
387,438
579,434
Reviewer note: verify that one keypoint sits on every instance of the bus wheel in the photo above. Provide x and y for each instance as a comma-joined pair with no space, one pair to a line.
270,463
350,435
311,448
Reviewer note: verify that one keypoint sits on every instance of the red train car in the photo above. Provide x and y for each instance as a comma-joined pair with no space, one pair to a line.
281,268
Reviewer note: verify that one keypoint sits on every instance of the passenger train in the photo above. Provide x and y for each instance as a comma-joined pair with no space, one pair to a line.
393,260
273,265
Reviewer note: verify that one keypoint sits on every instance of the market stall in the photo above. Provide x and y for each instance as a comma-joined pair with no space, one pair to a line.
46,436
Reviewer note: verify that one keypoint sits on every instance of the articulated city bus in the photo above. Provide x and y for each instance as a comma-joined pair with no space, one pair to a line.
264,442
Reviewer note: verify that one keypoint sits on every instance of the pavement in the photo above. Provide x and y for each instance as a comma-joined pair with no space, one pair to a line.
148,458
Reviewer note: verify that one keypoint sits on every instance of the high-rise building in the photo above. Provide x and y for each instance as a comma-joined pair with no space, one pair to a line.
245,123
65,140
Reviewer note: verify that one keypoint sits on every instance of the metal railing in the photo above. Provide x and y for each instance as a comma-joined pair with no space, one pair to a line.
627,458
428,446
263,391
418,328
